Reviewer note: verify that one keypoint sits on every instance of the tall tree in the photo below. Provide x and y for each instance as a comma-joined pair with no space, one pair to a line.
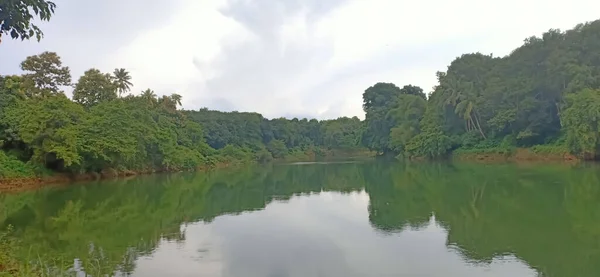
47,74
122,80
16,17
93,88
377,101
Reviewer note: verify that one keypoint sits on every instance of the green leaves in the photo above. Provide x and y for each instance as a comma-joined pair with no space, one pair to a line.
122,80
46,73
16,17
49,127
93,88
580,120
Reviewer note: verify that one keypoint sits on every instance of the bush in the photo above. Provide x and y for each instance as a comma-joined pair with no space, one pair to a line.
11,167
550,149
263,156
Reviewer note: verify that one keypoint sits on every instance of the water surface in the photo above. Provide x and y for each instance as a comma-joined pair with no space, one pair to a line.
340,219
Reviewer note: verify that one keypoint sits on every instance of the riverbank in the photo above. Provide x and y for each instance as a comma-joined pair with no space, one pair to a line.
534,154
20,183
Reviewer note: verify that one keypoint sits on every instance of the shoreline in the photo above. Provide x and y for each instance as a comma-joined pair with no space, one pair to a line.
519,155
63,179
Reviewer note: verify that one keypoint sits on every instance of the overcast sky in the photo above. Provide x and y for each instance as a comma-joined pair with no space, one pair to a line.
305,58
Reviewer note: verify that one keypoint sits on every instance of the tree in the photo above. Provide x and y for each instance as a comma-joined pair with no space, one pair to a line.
171,102
581,120
377,101
413,90
277,148
12,90
149,96
50,128
46,73
406,115
93,88
16,17
122,80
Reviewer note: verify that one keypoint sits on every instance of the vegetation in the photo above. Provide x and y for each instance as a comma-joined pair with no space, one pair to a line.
16,17
101,130
544,95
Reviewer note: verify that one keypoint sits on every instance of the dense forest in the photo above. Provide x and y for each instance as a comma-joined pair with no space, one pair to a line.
544,95
103,128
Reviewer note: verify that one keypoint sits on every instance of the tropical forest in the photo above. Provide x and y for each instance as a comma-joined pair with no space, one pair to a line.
405,189
544,96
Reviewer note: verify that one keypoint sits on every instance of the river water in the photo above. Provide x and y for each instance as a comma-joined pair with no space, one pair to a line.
323,219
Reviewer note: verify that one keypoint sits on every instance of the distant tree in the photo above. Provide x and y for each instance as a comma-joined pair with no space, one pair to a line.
277,148
149,97
93,88
413,90
122,80
16,17
171,102
46,73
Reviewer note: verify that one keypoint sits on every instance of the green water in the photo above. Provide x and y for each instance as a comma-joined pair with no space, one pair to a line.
341,219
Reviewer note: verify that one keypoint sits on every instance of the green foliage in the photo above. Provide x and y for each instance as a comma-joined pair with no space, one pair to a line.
580,120
377,101
542,90
11,167
16,17
105,132
46,74
109,135
49,127
122,80
277,148
93,88
343,132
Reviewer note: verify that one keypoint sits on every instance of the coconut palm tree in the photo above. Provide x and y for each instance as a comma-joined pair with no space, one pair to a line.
176,99
149,96
122,80
462,96
171,102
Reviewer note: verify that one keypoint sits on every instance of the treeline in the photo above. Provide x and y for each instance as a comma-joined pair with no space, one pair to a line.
544,94
104,129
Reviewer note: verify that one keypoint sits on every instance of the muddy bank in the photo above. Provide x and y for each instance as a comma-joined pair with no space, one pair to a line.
519,155
20,184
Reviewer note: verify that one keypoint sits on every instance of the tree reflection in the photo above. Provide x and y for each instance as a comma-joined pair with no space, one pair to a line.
548,216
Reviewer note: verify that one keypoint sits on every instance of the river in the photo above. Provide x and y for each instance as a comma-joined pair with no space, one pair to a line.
323,219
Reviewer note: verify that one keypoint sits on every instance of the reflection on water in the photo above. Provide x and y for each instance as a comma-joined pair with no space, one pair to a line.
343,219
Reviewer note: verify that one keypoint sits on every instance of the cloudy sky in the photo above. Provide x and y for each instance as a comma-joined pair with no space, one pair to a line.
305,58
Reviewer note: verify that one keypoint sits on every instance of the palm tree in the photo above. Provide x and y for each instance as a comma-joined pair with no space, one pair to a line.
171,102
462,96
149,96
122,80
176,99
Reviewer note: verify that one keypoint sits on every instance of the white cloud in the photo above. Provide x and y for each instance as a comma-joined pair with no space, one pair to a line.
289,57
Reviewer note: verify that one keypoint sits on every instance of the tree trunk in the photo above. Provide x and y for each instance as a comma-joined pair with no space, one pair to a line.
479,126
558,112
471,124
